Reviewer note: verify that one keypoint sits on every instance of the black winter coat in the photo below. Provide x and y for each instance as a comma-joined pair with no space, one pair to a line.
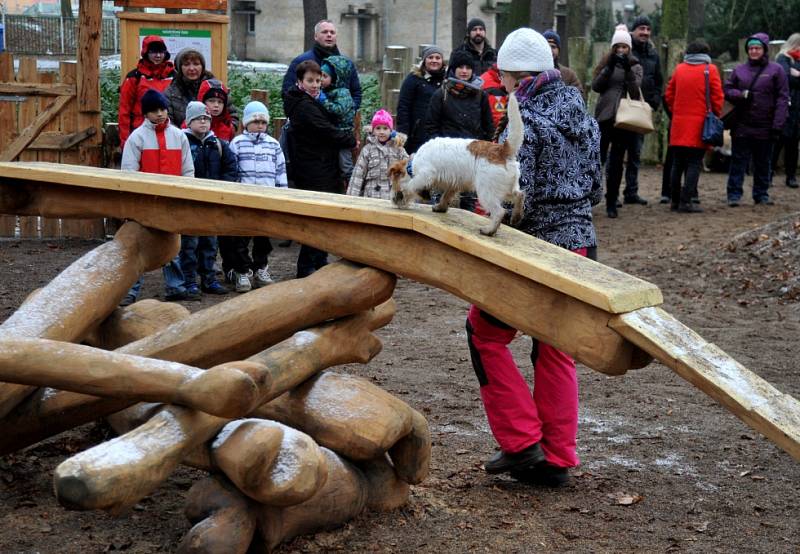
468,116
412,106
791,128
208,163
315,144
481,61
652,80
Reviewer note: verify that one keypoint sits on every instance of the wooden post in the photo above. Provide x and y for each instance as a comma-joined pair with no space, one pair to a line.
8,122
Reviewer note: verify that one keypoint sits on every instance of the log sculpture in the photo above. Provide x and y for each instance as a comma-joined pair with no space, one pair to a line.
99,479
84,294
134,322
231,330
224,390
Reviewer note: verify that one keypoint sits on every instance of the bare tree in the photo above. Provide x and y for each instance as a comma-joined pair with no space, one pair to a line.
697,18
313,11
576,18
542,14
458,22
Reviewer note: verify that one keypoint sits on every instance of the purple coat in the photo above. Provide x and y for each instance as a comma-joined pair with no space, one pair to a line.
766,110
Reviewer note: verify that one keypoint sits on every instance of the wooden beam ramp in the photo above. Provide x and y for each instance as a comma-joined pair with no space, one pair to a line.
605,318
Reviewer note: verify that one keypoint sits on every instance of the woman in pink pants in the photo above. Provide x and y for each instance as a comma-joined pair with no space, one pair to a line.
560,176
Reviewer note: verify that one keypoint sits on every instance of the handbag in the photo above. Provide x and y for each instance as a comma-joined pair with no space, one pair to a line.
713,127
634,115
730,111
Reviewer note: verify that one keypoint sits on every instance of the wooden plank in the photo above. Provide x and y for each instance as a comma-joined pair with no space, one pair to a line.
8,122
213,5
552,316
31,89
28,226
598,285
171,18
56,140
749,397
51,227
32,130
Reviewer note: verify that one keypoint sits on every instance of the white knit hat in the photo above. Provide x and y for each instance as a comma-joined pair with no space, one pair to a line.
195,110
525,50
255,111
621,36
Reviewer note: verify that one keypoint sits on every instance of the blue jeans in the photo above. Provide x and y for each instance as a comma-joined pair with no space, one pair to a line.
173,277
136,288
742,151
198,255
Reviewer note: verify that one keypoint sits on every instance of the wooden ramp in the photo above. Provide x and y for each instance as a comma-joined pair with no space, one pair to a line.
607,319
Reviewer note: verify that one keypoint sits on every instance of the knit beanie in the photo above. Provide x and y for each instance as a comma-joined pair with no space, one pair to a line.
621,36
194,110
550,34
382,117
641,20
213,89
525,50
432,49
153,100
475,22
255,111
459,58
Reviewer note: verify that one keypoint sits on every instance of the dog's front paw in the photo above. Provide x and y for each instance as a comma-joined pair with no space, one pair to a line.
488,231
439,209
398,199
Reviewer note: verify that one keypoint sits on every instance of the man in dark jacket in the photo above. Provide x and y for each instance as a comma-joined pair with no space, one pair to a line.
324,46
652,86
760,91
476,46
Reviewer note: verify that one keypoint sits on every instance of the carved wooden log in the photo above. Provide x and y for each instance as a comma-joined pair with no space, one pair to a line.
225,521
82,295
269,462
232,329
224,390
116,474
347,414
342,498
134,322
385,491
411,455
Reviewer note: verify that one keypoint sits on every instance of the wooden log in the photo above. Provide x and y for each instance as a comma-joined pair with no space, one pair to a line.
342,498
411,455
269,462
82,295
232,329
224,390
385,490
134,322
347,414
225,521
116,474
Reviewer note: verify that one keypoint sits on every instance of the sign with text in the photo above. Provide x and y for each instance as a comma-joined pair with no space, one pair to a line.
178,39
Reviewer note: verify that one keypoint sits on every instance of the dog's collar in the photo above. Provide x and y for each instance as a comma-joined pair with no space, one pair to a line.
408,168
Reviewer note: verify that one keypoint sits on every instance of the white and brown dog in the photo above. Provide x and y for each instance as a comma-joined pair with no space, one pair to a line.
452,165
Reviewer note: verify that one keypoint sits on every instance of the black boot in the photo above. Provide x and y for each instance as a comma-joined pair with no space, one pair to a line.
791,182
689,208
506,461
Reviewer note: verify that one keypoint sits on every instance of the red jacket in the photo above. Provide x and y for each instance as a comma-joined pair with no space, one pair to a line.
222,124
160,149
498,97
136,83
686,100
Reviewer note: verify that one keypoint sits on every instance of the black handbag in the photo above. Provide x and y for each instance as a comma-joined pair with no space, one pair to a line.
713,127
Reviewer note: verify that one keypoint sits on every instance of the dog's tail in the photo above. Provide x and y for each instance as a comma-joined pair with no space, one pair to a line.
515,128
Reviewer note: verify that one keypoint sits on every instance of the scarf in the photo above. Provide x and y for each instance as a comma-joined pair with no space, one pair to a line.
697,59
794,54
529,86
302,88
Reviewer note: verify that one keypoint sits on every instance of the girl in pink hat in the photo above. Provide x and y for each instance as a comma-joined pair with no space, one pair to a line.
370,176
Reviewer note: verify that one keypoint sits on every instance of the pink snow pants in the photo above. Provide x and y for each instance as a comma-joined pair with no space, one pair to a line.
517,418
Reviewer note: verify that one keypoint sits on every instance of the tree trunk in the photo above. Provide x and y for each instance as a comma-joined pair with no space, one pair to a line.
674,21
697,18
458,22
66,9
576,19
542,15
313,12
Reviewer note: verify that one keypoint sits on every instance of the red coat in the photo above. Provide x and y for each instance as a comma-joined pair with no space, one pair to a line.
144,77
498,97
222,125
686,100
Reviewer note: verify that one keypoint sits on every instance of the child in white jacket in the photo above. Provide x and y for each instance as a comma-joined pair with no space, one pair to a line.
370,176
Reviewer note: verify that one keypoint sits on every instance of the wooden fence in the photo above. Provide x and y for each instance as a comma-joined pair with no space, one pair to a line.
40,121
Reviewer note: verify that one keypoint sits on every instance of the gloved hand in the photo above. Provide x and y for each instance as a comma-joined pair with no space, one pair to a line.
612,61
624,61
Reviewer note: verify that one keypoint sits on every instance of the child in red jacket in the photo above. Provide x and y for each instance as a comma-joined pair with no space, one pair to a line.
214,95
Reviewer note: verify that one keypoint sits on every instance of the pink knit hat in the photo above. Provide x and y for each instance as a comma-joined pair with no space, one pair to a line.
382,117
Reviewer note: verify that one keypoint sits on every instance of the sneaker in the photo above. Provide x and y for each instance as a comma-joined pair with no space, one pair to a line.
695,199
665,200
764,202
263,277
215,287
505,461
733,203
128,300
542,474
791,182
241,281
176,296
618,203
193,292
635,200
689,209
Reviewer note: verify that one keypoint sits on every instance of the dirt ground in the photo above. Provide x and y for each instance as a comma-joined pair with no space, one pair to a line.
664,467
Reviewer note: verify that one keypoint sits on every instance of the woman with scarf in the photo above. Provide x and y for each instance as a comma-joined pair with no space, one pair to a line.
618,73
190,72
559,163
316,141
789,60
415,97
686,101
154,70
